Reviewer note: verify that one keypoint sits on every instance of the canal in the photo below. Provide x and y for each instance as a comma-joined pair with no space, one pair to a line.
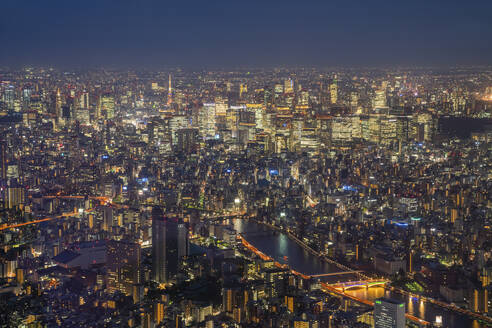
283,249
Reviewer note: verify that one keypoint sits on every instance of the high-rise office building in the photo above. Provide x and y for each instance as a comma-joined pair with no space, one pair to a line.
176,123
107,218
187,140
9,97
354,100
123,263
84,100
221,105
334,91
66,112
3,153
183,245
243,88
169,245
288,86
26,98
58,103
13,196
206,120
389,313
170,92
107,106
379,100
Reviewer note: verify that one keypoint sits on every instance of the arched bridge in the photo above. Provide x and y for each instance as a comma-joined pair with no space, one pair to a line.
343,286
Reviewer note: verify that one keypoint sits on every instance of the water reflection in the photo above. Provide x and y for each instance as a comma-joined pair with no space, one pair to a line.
410,307
279,246
421,313
367,293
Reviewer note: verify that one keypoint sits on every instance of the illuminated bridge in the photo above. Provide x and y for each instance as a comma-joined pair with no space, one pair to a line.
335,273
343,286
339,288
226,215
335,291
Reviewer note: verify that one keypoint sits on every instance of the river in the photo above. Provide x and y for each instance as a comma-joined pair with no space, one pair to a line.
280,247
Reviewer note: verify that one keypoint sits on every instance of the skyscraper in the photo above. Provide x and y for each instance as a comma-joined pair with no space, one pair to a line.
183,246
380,99
3,153
107,106
14,196
334,91
84,100
26,98
243,88
123,263
9,97
58,104
389,313
169,245
170,92
288,86
187,140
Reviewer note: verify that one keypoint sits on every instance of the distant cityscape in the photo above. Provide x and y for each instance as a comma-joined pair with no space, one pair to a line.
288,197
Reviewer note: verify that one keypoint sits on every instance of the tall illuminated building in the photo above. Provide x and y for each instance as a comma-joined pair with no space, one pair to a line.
169,245
303,99
354,100
279,88
342,129
84,100
258,115
98,113
26,98
389,313
206,120
123,264
3,153
267,98
58,104
183,243
14,196
107,106
243,88
9,97
170,92
380,99
176,123
187,140
334,91
388,129
288,86
221,105
107,218
402,128
424,126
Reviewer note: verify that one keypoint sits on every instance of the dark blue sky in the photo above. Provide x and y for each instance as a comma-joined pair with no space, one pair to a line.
218,33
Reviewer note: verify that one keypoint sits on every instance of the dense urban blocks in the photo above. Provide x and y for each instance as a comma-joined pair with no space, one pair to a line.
245,198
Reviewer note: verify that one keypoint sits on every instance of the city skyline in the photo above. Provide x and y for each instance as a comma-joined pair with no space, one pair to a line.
259,164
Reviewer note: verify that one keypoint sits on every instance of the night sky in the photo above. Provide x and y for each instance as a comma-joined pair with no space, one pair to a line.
244,33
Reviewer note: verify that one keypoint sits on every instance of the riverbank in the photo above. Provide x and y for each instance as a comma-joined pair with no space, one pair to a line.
309,249
301,257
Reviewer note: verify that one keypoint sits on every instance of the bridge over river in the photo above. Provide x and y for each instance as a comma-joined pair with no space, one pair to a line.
342,280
